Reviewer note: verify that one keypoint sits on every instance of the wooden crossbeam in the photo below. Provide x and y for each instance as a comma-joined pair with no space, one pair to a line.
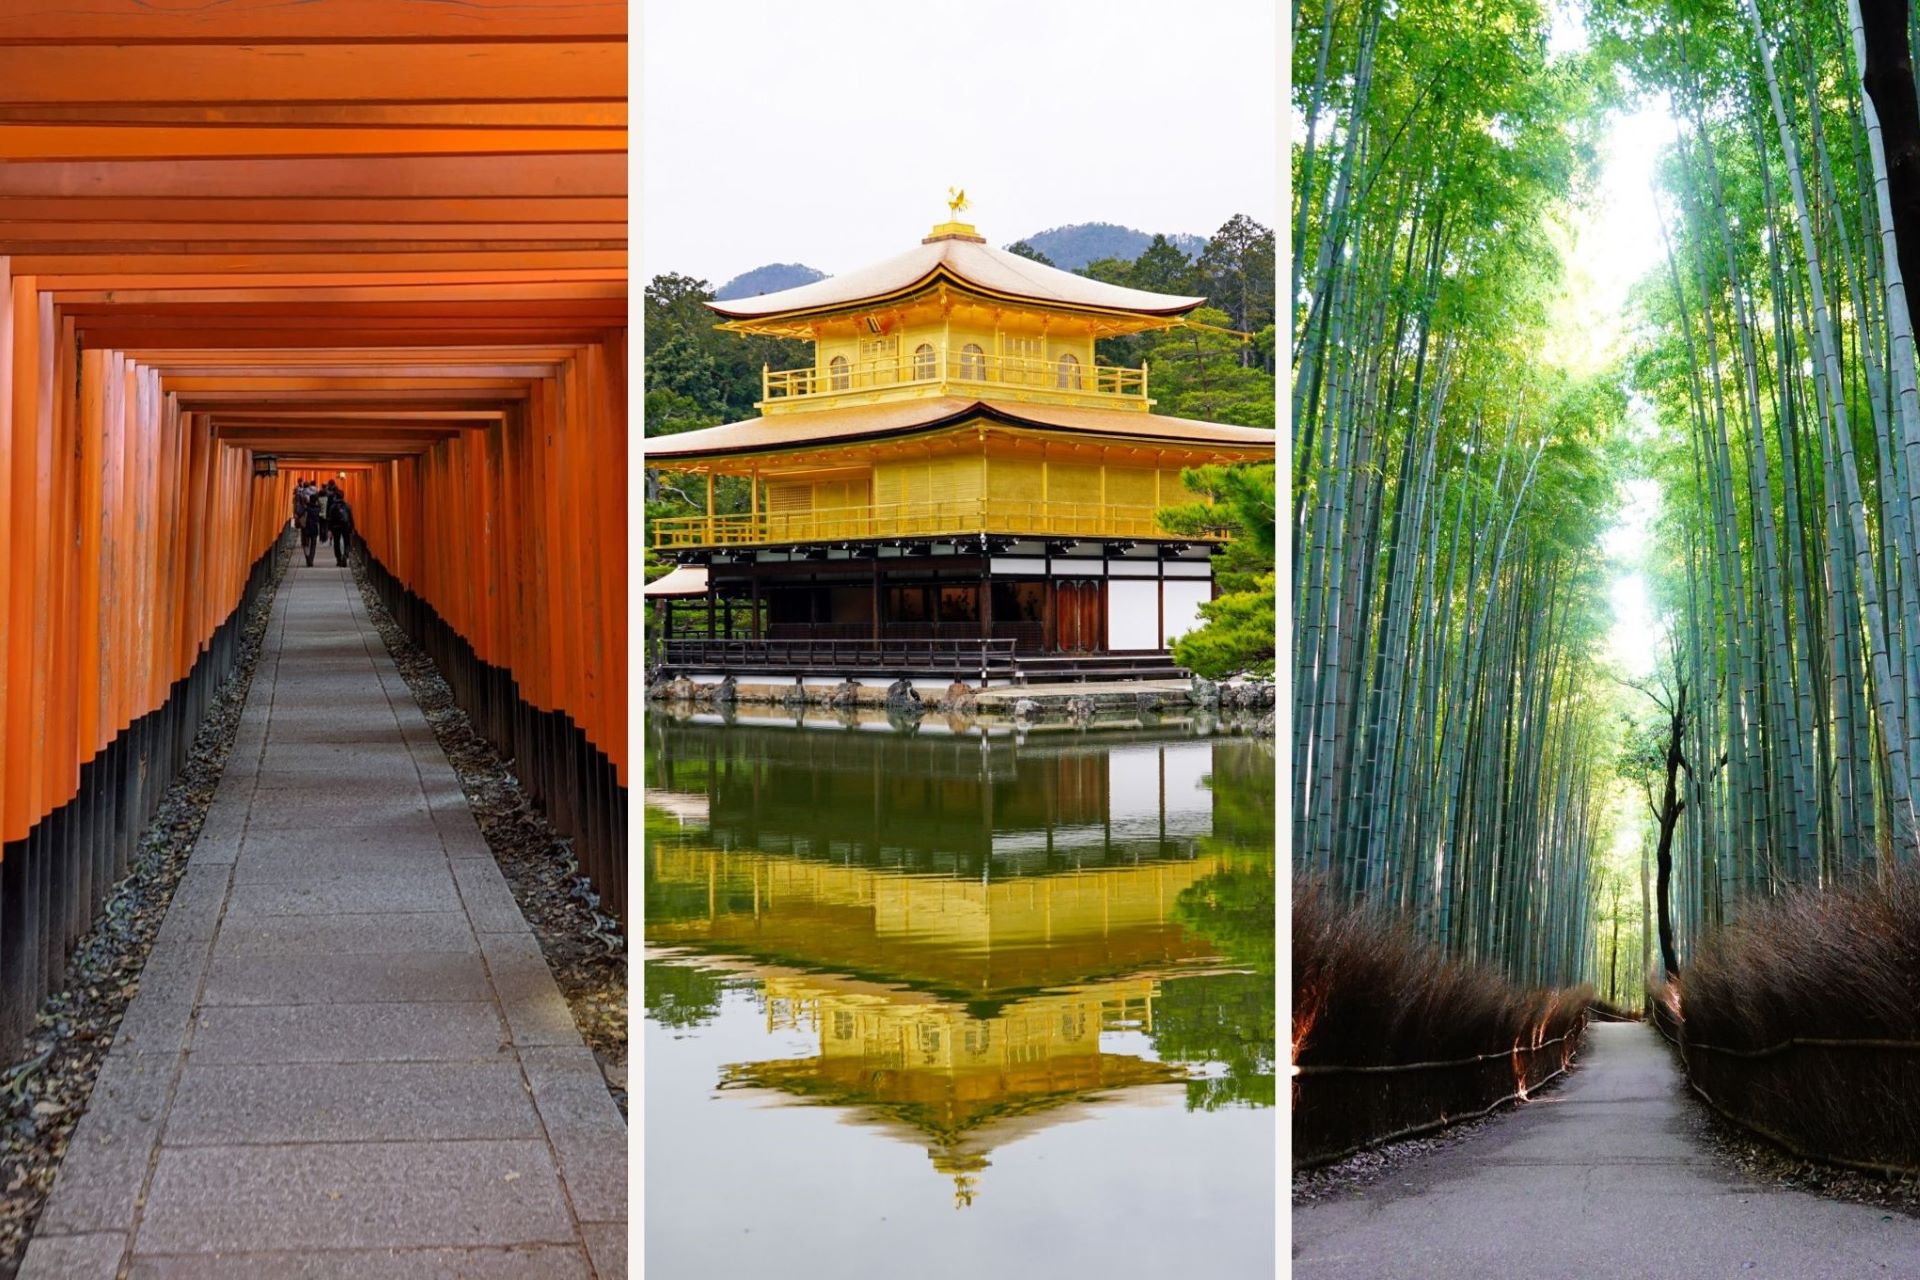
255,383
270,295
218,237
410,177
605,264
128,336
32,22
333,73
298,207
138,142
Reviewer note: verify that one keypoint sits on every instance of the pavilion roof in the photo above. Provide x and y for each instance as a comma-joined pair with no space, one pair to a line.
685,581
866,422
968,261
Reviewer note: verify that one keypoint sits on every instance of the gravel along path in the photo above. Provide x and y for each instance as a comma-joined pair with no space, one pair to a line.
44,1093
585,948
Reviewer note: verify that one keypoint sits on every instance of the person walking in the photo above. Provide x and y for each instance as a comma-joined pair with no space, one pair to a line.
340,525
315,526
302,494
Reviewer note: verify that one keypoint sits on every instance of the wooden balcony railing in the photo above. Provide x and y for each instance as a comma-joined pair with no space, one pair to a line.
1030,378
1007,516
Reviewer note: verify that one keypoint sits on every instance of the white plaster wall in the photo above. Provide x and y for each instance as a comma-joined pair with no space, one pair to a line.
1133,611
1183,601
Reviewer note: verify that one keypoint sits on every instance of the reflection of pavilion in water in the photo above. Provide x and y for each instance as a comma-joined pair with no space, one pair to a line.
982,941
929,1072
953,920
955,1013
939,802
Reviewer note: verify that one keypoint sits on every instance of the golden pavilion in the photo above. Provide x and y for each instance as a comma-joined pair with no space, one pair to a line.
953,486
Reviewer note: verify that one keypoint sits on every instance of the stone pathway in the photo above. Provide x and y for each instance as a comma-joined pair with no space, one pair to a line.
347,1056
1601,1177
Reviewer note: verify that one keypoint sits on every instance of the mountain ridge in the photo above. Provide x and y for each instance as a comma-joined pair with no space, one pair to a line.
1068,247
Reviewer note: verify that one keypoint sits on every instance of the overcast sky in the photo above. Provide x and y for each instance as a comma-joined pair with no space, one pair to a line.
828,132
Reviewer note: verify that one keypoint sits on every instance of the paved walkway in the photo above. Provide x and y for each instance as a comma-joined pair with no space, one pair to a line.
347,1056
1598,1178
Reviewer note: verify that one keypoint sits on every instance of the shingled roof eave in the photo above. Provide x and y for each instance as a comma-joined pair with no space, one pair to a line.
955,417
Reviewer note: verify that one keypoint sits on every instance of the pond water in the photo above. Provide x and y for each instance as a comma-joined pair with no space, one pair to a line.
955,1002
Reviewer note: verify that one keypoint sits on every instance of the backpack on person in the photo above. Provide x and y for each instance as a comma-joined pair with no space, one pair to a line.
339,515
318,505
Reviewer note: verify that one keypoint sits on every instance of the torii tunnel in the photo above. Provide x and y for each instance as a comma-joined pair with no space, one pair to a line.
382,241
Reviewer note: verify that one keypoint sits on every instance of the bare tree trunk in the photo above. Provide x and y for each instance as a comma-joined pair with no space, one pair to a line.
1671,807
1646,910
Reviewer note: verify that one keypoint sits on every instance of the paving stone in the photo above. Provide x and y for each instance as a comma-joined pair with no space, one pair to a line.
330,703
356,1195
349,1102
367,893
381,933
328,724
324,807
535,1011
129,1091
489,902
220,849
533,1262
374,797
607,1247
379,979
89,1257
413,831
424,745
444,795
194,913
596,1172
290,771
98,1186
107,1156
226,819
343,676
291,765
570,1092
293,748
155,1026
285,864
156,1019
460,836
227,1034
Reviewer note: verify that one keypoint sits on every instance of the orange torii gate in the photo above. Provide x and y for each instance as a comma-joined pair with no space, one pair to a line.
380,237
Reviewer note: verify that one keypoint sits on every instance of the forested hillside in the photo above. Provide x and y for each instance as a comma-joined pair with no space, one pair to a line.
772,278
1072,247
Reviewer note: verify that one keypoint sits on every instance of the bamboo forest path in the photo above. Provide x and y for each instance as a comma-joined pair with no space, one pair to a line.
1601,1177
347,1055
